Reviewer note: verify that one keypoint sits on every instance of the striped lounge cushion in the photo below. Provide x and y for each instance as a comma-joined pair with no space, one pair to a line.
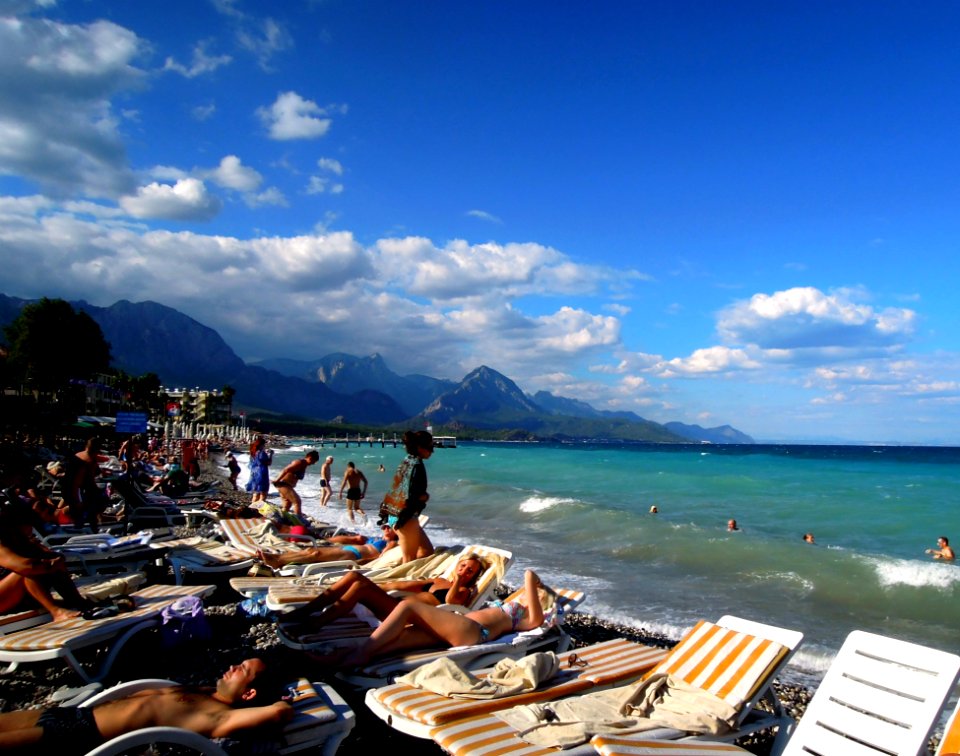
604,664
730,664
311,709
610,746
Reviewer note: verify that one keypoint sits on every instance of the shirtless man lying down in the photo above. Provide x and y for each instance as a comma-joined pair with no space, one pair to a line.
215,713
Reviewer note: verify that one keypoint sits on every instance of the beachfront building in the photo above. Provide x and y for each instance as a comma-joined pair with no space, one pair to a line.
198,405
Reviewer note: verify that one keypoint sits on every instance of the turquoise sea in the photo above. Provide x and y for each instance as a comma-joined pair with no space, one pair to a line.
579,514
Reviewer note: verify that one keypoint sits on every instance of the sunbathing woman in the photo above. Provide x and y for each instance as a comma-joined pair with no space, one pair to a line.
413,624
356,548
353,588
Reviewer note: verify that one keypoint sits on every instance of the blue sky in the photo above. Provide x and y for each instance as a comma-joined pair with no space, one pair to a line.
737,212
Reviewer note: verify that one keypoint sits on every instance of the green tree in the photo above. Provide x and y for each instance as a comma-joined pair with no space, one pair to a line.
50,343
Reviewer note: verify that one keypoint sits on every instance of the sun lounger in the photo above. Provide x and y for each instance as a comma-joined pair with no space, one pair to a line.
95,587
415,711
880,697
287,596
59,640
550,636
321,721
204,555
252,534
99,553
734,659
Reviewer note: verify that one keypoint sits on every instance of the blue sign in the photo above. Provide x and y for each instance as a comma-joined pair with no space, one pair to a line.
131,422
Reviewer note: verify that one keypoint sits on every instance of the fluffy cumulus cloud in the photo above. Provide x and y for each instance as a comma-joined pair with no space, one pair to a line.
185,200
294,117
803,318
460,270
57,125
233,174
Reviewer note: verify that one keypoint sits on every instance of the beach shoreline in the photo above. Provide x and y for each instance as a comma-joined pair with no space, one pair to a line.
236,636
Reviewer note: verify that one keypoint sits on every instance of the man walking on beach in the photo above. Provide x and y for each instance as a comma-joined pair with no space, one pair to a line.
287,480
352,479
207,712
325,481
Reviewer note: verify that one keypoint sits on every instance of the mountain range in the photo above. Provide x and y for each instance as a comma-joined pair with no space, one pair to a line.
147,337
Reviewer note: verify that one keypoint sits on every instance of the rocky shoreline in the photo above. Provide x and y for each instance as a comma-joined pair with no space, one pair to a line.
237,636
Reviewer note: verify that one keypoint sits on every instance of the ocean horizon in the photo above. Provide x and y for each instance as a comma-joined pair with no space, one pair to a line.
579,514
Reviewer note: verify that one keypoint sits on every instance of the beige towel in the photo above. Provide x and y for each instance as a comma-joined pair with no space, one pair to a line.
509,677
660,701
423,568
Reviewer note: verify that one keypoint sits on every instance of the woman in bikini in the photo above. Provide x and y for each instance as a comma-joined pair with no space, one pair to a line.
342,548
413,624
353,588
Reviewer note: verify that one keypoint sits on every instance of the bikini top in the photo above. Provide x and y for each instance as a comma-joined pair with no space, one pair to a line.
378,543
441,594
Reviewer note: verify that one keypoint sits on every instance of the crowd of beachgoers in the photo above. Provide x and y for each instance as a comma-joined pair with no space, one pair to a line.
238,635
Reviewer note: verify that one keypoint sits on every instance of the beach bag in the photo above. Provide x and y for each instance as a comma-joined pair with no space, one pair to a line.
184,622
395,500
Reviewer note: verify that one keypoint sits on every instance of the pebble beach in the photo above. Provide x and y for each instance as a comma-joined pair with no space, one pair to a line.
236,636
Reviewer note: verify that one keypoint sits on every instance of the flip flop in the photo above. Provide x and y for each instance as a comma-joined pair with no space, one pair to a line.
74,696
100,612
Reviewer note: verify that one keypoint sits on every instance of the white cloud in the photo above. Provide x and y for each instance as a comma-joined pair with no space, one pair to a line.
322,185
264,39
484,215
186,200
802,318
200,64
269,196
293,117
203,112
331,165
715,359
57,125
232,174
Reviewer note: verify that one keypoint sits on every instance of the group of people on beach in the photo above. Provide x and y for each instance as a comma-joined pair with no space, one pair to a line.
410,620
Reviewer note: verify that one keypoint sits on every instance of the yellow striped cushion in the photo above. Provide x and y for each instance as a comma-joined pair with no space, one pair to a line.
729,664
149,603
607,745
485,736
311,709
612,661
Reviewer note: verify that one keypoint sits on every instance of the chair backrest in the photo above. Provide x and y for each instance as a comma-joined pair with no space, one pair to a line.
734,659
879,696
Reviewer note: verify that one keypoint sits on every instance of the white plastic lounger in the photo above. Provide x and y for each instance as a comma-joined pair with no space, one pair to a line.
283,598
415,711
880,697
59,640
204,555
735,660
321,721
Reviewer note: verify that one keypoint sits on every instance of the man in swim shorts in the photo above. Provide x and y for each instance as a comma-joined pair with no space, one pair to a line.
214,713
287,480
352,480
325,481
